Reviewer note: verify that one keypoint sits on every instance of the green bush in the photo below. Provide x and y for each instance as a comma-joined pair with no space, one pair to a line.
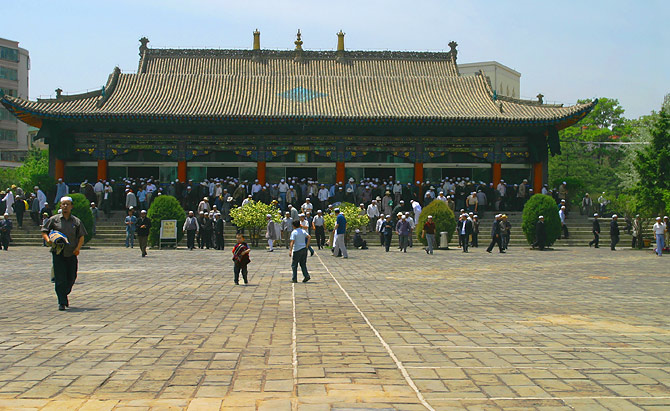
353,216
537,205
81,208
165,207
253,216
443,218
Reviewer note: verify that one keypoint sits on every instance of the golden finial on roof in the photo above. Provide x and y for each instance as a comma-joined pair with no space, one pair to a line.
298,42
340,41
257,40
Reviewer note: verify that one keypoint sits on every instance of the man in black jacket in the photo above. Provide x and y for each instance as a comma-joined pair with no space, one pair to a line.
496,238
614,232
596,232
206,228
218,231
143,225
540,233
464,229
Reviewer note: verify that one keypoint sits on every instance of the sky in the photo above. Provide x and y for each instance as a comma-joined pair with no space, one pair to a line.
567,50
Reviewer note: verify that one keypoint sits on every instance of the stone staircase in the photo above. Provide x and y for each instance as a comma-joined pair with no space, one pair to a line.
111,233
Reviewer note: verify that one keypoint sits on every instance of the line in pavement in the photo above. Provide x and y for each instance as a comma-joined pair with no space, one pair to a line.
388,349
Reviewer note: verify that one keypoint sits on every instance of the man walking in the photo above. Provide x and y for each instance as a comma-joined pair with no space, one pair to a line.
143,226
219,224
659,231
298,252
340,231
614,232
403,229
387,231
429,234
637,233
564,228
496,237
596,232
64,256
5,231
464,228
319,229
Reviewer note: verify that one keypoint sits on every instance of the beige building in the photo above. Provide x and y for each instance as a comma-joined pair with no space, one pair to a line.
504,80
14,68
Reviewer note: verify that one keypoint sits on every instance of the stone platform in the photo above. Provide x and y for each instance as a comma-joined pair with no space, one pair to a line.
572,328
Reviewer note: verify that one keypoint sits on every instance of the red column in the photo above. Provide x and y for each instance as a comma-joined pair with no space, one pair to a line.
102,169
496,169
538,177
260,172
339,171
181,171
60,169
418,172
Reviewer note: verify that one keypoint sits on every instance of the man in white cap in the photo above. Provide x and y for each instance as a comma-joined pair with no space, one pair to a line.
596,232
61,190
428,232
659,229
271,233
564,227
130,222
614,232
5,231
636,241
563,191
496,235
65,259
143,227
540,234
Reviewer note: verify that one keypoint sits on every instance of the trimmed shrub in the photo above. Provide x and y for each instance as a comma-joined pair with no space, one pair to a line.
165,207
443,218
354,219
81,208
537,205
253,216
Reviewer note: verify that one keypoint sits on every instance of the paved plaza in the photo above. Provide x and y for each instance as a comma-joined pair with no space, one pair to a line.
572,328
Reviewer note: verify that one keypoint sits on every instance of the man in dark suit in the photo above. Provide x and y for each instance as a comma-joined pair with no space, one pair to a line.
143,225
540,233
218,230
596,232
614,232
464,229
496,237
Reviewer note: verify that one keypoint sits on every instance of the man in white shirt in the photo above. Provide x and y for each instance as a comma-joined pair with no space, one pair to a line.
323,196
307,206
659,231
416,207
256,187
97,189
372,212
246,200
564,228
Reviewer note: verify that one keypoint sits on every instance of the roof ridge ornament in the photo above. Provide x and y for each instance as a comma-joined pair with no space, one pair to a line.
299,57
540,98
453,51
340,53
59,92
143,46
257,40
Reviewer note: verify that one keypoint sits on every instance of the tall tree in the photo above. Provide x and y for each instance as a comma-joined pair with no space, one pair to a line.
653,165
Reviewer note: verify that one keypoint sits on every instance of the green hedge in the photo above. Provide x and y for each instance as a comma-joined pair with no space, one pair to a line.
164,207
537,205
81,208
443,218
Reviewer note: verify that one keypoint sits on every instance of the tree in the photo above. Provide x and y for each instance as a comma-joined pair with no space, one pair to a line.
33,172
253,216
81,209
165,207
354,219
596,167
536,206
443,218
652,165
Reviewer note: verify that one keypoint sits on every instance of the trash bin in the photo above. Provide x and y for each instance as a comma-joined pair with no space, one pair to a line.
444,242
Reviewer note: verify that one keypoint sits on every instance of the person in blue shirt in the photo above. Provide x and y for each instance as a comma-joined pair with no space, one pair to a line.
130,221
298,251
340,231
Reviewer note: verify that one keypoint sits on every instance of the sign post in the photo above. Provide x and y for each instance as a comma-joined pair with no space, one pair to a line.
168,232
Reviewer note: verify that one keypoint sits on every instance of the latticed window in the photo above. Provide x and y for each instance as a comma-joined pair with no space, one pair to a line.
7,135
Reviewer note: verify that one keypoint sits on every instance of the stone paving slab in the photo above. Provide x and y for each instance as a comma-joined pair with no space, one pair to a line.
563,329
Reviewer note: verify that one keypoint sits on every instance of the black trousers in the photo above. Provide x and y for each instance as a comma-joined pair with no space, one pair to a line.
475,243
637,241
190,239
596,240
387,241
236,269
206,240
4,240
65,274
299,258
219,241
495,240
320,233
564,228
19,218
614,241
463,239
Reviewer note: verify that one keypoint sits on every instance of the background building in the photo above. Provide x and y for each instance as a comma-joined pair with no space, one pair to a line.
14,67
326,115
504,80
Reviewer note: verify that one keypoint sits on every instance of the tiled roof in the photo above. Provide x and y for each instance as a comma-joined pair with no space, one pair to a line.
245,84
